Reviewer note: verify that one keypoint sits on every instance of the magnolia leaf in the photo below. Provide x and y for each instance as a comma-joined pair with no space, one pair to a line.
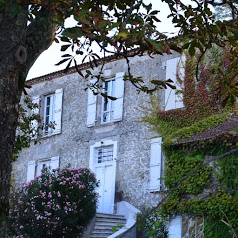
112,98
67,67
66,55
65,39
62,61
64,47
171,86
156,82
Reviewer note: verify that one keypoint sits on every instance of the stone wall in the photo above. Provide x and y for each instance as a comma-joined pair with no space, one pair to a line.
133,138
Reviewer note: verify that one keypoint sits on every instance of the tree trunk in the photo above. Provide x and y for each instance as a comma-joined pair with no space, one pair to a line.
20,46
12,57
9,98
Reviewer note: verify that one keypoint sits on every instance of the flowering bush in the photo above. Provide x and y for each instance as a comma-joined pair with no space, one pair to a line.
57,204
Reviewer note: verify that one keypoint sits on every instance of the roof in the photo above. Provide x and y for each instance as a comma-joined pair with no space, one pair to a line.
228,128
71,70
86,65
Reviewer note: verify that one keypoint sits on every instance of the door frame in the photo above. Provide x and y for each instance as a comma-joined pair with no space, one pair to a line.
92,162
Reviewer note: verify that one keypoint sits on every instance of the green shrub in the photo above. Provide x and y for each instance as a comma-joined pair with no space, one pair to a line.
152,224
57,204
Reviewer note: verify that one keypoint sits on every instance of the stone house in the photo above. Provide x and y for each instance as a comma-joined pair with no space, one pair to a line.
106,136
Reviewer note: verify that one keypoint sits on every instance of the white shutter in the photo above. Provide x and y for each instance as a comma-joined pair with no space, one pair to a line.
92,106
174,100
175,227
54,162
119,94
35,100
155,164
31,167
58,110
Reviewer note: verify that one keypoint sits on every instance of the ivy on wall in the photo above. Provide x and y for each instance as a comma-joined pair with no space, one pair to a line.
212,189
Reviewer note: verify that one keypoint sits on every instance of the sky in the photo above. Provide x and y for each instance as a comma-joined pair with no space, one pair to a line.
45,64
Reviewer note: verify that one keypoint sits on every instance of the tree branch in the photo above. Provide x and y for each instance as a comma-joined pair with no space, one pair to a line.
40,36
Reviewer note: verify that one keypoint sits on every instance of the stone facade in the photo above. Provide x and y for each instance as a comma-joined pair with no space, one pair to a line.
72,145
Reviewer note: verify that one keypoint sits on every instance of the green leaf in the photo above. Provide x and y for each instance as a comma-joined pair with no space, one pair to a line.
191,50
156,82
67,67
74,32
64,47
195,158
62,61
88,72
66,55
79,52
65,39
112,98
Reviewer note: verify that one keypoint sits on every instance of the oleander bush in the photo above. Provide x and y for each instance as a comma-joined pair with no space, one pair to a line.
55,204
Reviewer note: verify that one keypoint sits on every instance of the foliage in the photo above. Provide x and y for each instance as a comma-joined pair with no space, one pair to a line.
227,176
178,165
151,222
208,100
26,130
218,229
57,204
195,185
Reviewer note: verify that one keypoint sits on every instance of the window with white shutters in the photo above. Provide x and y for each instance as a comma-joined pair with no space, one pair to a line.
155,164
173,97
34,168
52,113
107,104
49,113
111,110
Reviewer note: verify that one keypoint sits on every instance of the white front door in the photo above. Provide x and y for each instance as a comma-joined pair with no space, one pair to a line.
103,163
105,174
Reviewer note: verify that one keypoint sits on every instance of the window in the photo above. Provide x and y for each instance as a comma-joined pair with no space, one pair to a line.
42,164
107,104
50,111
186,226
101,152
34,168
174,98
110,111
192,226
104,154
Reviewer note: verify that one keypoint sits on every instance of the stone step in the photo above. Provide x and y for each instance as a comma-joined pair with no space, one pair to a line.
110,218
102,230
98,236
109,215
105,223
105,233
107,226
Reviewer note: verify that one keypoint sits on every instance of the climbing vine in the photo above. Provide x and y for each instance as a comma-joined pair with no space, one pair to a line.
198,186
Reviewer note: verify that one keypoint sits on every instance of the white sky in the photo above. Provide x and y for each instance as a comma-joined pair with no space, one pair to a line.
46,62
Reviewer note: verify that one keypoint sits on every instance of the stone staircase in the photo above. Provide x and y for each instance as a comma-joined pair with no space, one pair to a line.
105,223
